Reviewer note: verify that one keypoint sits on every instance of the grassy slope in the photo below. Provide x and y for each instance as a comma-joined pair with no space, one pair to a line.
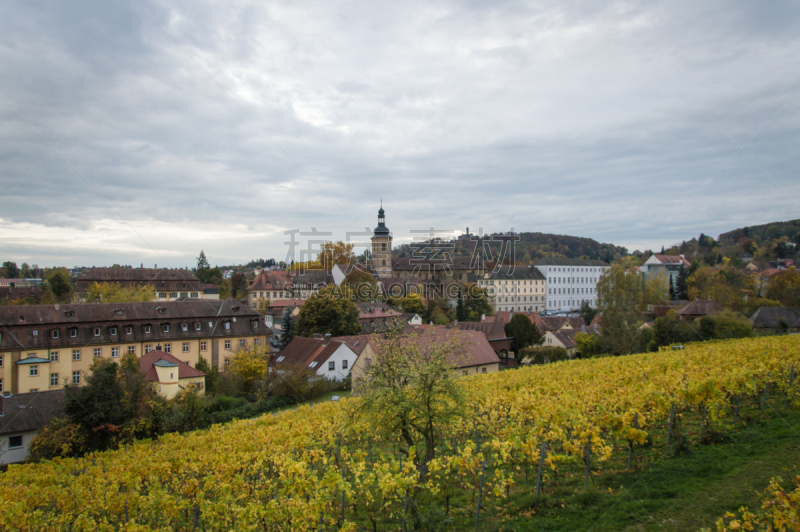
680,493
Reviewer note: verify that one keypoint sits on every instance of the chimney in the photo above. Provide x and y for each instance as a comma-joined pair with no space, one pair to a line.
316,336
57,306
327,339
483,317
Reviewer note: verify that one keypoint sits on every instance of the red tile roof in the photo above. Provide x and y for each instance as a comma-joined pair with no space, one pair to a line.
303,351
671,259
700,307
148,360
272,280
476,349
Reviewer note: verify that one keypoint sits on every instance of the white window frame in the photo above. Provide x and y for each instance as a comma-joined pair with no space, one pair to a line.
185,347
52,375
76,377
33,371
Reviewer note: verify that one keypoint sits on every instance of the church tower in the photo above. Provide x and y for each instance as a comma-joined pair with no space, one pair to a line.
382,247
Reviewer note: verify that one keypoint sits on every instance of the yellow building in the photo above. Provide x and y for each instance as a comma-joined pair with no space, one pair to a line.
44,347
169,284
515,289
169,374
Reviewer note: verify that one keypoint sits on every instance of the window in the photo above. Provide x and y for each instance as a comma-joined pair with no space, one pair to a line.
97,331
185,347
34,371
165,327
242,343
168,348
194,294
331,365
227,344
73,333
483,370
54,333
162,295
313,364
53,356
227,362
129,330
173,294
184,327
256,341
227,326
280,358
76,354
113,331
76,377
35,333
1,361
147,329
115,352
344,364
202,346
54,379
1,385
15,442
131,350
197,326
98,352
148,348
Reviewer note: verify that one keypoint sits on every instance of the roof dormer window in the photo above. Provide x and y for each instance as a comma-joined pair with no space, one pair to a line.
69,313
197,326
165,327
184,327
55,334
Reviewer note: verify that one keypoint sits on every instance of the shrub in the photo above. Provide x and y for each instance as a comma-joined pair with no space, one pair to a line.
543,355
59,438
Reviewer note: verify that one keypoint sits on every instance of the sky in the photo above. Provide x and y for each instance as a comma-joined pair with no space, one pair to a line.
140,132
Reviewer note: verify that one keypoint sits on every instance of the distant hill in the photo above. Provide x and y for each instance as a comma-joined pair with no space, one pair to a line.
774,231
528,249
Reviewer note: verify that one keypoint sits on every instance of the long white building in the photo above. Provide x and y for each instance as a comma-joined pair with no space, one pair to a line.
570,282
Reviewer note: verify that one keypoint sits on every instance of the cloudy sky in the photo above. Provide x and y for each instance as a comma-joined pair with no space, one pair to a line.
143,131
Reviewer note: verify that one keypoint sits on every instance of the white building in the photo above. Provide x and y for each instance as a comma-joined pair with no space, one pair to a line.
515,288
570,282
669,265
23,415
324,357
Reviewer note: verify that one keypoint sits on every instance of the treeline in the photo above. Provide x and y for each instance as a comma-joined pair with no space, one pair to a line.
527,250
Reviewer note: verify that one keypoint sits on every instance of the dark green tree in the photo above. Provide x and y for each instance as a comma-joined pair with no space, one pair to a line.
10,270
363,285
212,376
461,313
239,286
202,262
287,329
524,332
60,284
672,291
587,312
330,311
681,283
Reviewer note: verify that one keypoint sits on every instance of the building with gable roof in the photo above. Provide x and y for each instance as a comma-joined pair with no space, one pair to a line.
169,374
324,357
667,265
270,285
169,284
21,417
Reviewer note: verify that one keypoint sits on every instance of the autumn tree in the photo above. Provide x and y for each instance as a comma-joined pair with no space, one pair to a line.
726,285
623,296
115,293
476,302
249,365
363,285
413,304
10,270
335,253
330,311
410,390
785,287
59,282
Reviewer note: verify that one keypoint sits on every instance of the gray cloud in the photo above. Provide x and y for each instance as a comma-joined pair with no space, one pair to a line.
622,122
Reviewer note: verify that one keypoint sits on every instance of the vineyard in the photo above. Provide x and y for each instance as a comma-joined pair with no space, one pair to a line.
530,431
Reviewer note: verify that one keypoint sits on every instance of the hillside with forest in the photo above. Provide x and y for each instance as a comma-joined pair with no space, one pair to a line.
524,248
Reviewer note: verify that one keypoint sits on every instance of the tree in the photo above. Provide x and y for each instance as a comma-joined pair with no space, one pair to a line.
587,345
60,283
681,283
287,329
262,305
202,262
363,285
623,296
329,311
10,270
476,303
212,376
115,293
725,285
411,391
587,313
210,276
250,364
239,286
461,313
413,304
26,270
335,253
524,332
785,287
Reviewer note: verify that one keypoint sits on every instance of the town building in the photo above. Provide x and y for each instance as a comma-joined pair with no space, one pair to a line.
169,284
269,285
329,358
667,265
169,374
699,308
44,347
22,416
571,282
515,288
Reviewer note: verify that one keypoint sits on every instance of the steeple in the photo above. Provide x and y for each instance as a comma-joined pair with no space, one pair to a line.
381,230
382,246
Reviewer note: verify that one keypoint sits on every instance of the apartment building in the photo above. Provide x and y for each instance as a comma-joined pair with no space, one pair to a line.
269,285
515,288
44,347
570,282
169,284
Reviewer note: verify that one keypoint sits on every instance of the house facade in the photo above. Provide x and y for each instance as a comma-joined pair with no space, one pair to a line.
667,265
324,357
22,416
515,288
44,347
169,374
571,282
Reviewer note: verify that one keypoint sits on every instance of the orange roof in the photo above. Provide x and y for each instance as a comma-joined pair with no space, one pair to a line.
148,360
